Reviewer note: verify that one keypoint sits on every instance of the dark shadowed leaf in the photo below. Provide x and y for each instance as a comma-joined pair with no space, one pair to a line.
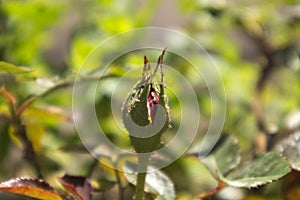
74,148
30,187
290,148
225,157
157,182
292,192
79,186
266,168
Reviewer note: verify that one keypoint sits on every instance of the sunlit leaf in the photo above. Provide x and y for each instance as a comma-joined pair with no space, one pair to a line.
290,148
12,69
13,137
117,24
30,187
157,182
79,186
107,156
35,133
110,175
50,115
36,120
103,185
81,47
225,158
266,168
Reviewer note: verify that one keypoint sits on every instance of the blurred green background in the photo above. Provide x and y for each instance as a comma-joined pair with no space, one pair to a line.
255,44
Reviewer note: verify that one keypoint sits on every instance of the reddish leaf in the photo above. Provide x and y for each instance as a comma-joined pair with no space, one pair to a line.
79,186
31,187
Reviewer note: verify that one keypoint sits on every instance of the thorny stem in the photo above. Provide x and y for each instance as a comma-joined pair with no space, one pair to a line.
28,151
20,132
273,58
271,64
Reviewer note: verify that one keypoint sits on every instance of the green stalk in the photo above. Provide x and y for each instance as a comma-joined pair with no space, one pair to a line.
143,160
140,185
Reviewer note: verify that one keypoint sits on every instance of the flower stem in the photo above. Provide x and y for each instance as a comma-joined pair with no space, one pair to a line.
143,160
140,185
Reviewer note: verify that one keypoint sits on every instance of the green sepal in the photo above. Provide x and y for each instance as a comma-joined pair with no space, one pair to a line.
137,110
163,101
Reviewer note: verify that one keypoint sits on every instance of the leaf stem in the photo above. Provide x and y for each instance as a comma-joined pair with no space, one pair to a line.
62,84
212,192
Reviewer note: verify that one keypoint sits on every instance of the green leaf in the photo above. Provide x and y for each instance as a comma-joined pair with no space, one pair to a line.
35,133
12,69
225,157
157,182
265,169
50,115
289,148
103,185
10,73
31,187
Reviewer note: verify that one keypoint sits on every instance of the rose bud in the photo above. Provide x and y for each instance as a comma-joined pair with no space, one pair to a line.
145,111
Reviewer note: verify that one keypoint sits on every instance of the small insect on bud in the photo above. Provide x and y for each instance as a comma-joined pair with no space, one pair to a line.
145,111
